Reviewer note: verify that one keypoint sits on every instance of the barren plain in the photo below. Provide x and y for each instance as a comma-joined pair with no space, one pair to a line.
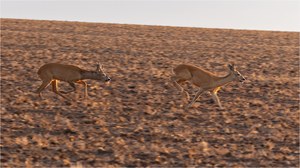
139,118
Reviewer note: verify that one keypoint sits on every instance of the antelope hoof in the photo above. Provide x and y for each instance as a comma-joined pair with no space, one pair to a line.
68,103
186,96
211,101
188,106
40,96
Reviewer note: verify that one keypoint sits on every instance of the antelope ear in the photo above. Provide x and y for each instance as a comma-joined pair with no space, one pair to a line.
231,66
98,66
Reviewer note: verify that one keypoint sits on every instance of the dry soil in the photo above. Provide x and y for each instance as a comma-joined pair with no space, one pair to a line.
139,118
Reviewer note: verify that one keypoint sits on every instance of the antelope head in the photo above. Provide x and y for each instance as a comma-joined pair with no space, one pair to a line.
100,74
237,75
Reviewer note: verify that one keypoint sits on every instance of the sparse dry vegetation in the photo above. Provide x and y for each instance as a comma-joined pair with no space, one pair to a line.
138,120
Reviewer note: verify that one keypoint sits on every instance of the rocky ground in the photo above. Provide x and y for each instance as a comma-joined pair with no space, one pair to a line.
139,118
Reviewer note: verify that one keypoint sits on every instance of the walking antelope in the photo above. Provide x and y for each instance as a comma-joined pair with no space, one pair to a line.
52,72
205,80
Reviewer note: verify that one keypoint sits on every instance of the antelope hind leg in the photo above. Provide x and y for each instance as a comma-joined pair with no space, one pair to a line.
42,87
55,90
178,87
72,85
198,94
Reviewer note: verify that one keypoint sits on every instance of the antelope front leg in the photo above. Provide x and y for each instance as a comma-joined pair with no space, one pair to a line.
216,98
85,87
200,91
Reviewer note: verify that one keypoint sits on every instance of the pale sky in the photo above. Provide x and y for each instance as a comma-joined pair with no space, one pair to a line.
282,15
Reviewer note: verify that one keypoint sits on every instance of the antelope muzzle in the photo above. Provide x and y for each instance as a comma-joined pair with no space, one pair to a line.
242,80
107,79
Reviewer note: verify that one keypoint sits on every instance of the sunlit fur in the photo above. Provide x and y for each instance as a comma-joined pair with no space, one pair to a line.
205,80
54,72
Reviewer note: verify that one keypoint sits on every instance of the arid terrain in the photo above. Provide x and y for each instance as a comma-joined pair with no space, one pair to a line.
139,119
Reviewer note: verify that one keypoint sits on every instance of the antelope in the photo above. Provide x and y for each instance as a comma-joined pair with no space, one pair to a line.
205,80
54,72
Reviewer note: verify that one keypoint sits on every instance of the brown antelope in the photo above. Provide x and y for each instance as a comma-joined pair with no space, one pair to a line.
205,80
52,72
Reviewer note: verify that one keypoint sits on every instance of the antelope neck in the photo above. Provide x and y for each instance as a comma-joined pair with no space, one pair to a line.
224,80
87,75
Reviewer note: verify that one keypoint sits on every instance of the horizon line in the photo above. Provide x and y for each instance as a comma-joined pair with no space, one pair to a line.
158,25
